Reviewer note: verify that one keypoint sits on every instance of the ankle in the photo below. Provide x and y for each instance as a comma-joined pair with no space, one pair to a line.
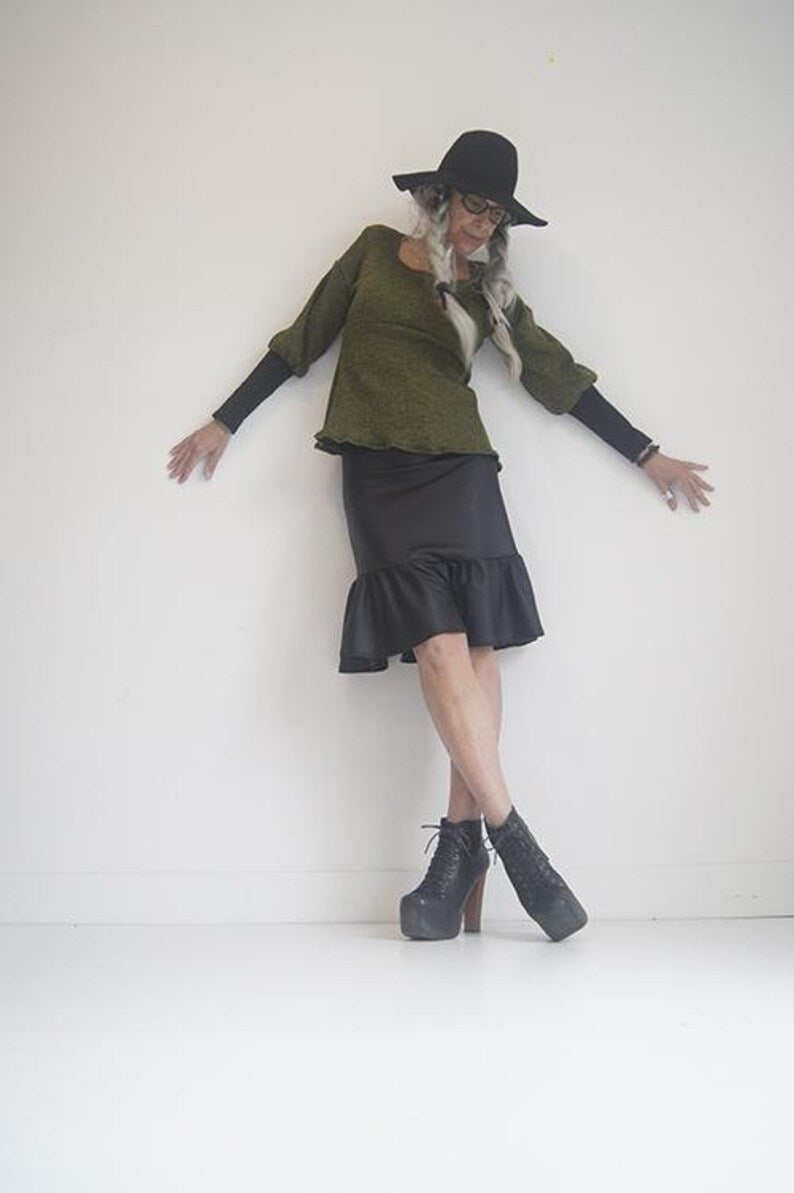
460,807
489,824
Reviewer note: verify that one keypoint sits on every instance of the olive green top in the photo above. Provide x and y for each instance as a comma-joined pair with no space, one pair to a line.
400,379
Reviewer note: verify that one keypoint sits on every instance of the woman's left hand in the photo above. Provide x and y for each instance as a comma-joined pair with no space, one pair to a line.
665,472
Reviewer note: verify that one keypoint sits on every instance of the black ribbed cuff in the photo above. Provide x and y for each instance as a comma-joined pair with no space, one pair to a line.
593,409
268,375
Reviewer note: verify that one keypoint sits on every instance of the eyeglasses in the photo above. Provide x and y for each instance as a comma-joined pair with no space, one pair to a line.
477,205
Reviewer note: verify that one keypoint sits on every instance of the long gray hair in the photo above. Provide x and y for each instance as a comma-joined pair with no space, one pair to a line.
433,202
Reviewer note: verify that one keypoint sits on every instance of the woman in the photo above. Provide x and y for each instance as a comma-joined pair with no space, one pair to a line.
439,578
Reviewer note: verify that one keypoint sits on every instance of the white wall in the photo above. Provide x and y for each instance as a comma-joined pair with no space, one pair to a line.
178,742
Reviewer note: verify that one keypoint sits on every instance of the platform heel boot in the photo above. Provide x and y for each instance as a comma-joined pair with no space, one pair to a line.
452,888
543,894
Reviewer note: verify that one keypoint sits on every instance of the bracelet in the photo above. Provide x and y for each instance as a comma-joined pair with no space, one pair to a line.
646,452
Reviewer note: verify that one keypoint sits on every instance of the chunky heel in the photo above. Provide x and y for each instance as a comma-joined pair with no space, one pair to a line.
473,908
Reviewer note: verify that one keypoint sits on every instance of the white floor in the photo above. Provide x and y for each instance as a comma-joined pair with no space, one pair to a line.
635,1056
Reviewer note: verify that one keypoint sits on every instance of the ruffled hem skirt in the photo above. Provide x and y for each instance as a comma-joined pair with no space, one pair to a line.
434,554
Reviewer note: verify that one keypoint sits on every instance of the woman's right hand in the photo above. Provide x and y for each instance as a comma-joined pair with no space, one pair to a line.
209,440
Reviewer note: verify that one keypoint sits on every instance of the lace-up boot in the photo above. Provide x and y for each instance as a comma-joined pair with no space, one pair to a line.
452,888
543,894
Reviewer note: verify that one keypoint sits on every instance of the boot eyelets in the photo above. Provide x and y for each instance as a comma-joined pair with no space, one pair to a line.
450,894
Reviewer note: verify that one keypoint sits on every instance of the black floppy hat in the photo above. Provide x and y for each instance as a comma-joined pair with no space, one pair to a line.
481,163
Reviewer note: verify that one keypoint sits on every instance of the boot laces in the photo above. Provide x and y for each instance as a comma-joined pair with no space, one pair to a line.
520,850
446,859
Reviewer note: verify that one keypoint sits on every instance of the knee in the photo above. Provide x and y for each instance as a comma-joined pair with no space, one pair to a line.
442,650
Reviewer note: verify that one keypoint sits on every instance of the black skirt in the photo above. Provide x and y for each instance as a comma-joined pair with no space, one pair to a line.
434,553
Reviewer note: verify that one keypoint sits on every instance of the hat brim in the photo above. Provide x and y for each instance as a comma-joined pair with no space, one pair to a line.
518,213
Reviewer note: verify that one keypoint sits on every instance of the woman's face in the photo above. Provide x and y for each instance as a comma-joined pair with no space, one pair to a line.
467,231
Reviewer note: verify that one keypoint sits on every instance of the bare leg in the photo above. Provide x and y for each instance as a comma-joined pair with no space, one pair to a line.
462,804
461,711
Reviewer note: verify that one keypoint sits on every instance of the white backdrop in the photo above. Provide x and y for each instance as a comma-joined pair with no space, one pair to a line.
179,745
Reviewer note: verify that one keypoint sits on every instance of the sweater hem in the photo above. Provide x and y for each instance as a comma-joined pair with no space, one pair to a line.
335,447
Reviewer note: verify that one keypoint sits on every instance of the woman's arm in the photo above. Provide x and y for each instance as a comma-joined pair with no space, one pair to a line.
565,386
268,375
665,471
325,312
609,424
293,349
549,372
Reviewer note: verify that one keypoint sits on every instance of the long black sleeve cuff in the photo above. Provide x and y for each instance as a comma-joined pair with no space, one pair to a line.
268,375
609,424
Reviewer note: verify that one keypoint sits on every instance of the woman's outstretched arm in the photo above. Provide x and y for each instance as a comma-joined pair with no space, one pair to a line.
271,372
593,409
614,428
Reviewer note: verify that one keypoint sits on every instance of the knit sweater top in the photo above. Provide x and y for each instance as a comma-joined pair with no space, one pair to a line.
400,379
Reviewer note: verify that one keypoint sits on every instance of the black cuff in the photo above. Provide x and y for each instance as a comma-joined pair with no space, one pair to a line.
609,424
268,375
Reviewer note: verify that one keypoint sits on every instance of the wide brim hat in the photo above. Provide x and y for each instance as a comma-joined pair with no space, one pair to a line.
482,163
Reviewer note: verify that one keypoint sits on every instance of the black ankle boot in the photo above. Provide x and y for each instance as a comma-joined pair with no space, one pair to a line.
453,885
540,889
